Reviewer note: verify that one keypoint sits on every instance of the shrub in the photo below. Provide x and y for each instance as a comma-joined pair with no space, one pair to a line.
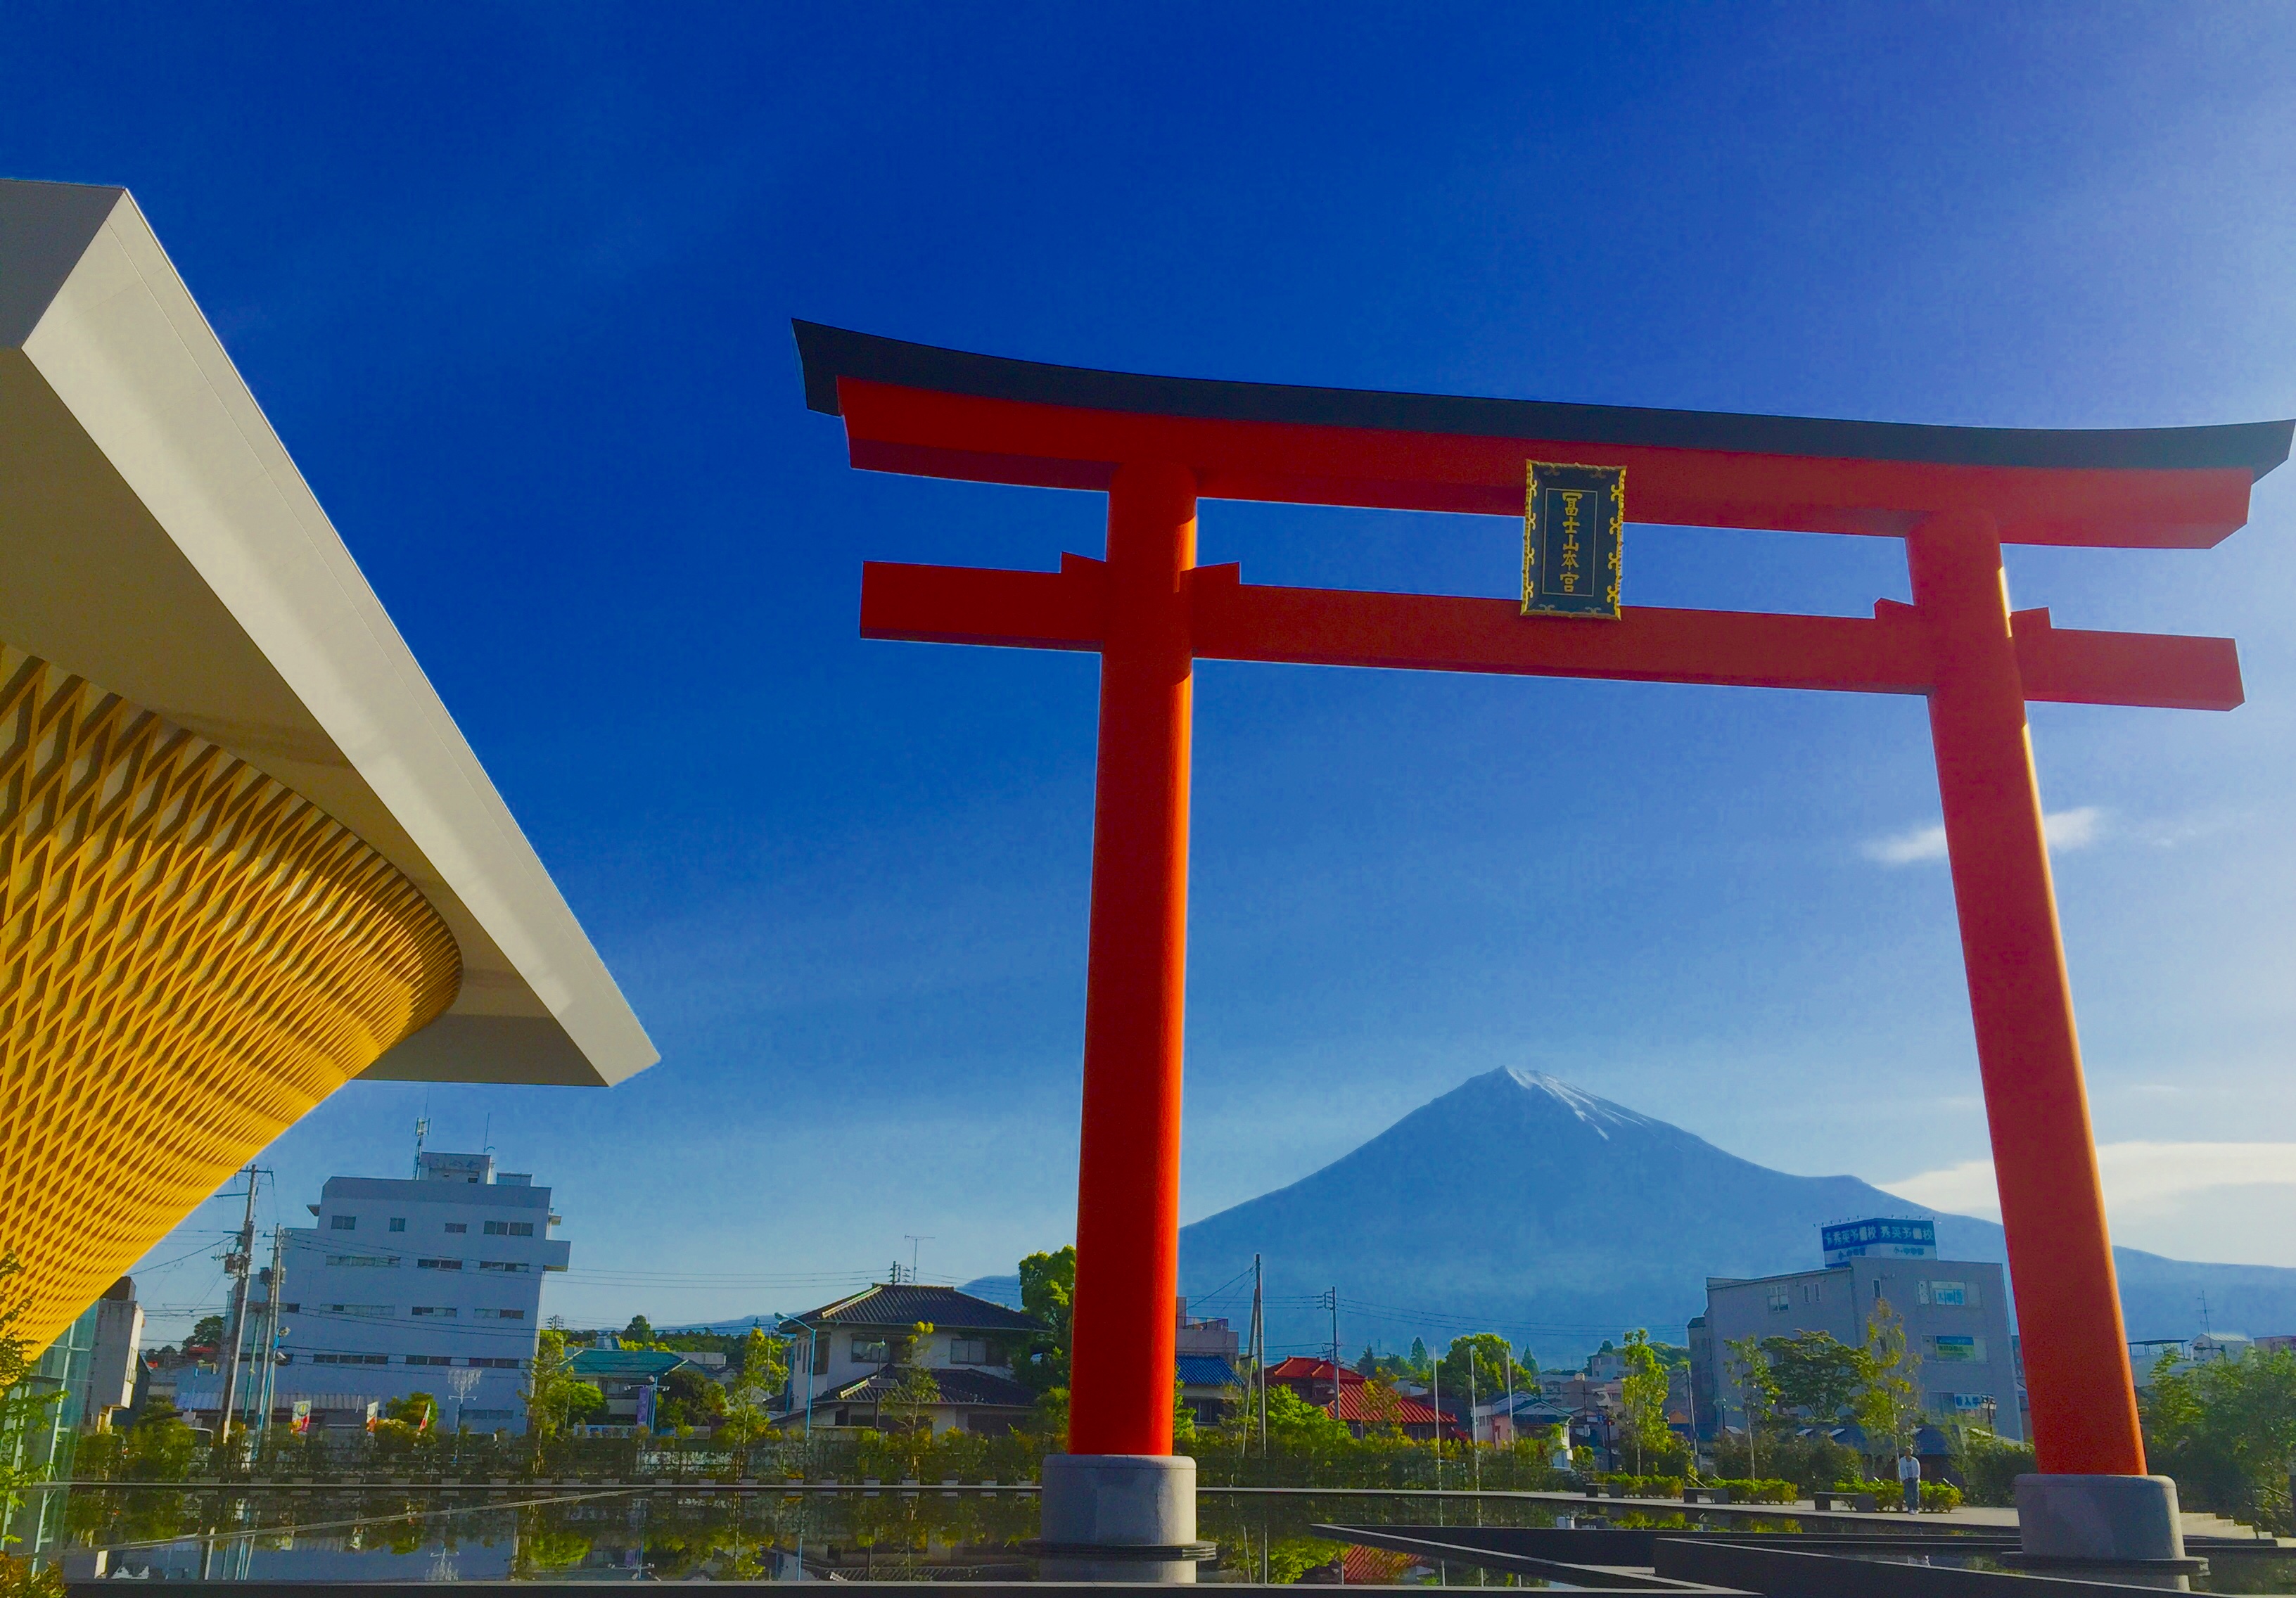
19,1579
1989,1468
1809,1462
1768,1490
1938,1496
1645,1486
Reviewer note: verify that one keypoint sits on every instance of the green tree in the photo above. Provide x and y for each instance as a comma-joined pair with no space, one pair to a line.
1642,1400
914,1389
1300,1427
687,1399
21,1409
207,1332
2226,1429
1758,1388
1818,1375
1887,1403
764,1361
416,1411
1485,1354
638,1333
1048,1293
408,1424
159,1446
555,1398
1418,1356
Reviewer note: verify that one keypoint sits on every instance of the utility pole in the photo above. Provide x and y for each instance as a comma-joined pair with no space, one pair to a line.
276,1282
1259,1356
812,1366
1339,1562
1474,1433
236,1263
1509,1357
422,1131
1438,1365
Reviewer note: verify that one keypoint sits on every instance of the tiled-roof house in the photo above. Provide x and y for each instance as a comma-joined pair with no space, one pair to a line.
844,1362
1363,1406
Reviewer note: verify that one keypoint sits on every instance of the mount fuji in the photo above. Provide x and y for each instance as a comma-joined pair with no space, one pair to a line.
1517,1202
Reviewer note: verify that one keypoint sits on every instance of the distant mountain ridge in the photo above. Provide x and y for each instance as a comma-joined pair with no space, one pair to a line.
1521,1202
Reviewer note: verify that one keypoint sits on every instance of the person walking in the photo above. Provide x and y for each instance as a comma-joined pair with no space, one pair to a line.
1909,1478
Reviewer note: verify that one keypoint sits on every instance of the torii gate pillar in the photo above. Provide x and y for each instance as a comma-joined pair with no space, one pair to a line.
2021,1001
1121,1483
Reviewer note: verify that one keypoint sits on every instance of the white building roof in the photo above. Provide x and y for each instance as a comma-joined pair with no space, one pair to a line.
160,543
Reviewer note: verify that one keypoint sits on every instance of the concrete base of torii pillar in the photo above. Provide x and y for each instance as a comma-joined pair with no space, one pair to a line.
1119,1517
2120,1529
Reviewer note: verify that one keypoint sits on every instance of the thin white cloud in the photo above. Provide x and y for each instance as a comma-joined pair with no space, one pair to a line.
2074,829
1922,843
2233,1202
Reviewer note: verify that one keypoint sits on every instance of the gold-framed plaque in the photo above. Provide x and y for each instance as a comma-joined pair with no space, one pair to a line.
1574,522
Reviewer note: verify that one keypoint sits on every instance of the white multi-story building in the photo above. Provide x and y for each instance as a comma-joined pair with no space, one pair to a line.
429,1285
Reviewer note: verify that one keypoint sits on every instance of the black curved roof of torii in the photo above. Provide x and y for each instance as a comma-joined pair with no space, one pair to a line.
830,353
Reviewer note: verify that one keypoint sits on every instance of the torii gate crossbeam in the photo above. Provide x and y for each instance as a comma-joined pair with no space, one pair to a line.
1954,495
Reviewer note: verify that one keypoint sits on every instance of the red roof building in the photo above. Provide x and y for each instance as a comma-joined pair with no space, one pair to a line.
1361,1405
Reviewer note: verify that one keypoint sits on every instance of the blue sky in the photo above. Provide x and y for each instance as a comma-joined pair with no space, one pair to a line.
512,282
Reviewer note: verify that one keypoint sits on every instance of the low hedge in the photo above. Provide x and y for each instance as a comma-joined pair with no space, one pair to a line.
1644,1487
1746,1489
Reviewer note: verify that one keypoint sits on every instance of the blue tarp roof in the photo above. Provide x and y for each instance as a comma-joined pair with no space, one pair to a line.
1207,1369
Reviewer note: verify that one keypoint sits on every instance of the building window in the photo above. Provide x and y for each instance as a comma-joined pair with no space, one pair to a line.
871,1350
970,1351
498,1314
370,1311
1813,1293
1956,1295
445,1310
1780,1302
510,1228
363,1261
350,1359
429,1359
482,1363
343,1223
438,1264
458,1225
499,1265
398,1222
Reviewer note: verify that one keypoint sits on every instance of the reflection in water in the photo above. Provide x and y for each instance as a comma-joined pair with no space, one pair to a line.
891,1533
880,1533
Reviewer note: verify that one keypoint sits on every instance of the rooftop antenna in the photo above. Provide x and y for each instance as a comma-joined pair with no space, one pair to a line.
422,1131
914,1241
486,1137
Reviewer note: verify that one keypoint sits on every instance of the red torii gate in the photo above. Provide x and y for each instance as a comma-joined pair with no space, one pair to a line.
1155,446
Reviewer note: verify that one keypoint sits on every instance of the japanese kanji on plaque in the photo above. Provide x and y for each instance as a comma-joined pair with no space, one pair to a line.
1573,523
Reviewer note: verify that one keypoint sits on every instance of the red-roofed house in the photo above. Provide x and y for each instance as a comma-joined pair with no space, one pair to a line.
1361,1405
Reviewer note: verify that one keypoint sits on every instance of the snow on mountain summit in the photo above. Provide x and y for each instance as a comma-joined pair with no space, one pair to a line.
1597,1113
